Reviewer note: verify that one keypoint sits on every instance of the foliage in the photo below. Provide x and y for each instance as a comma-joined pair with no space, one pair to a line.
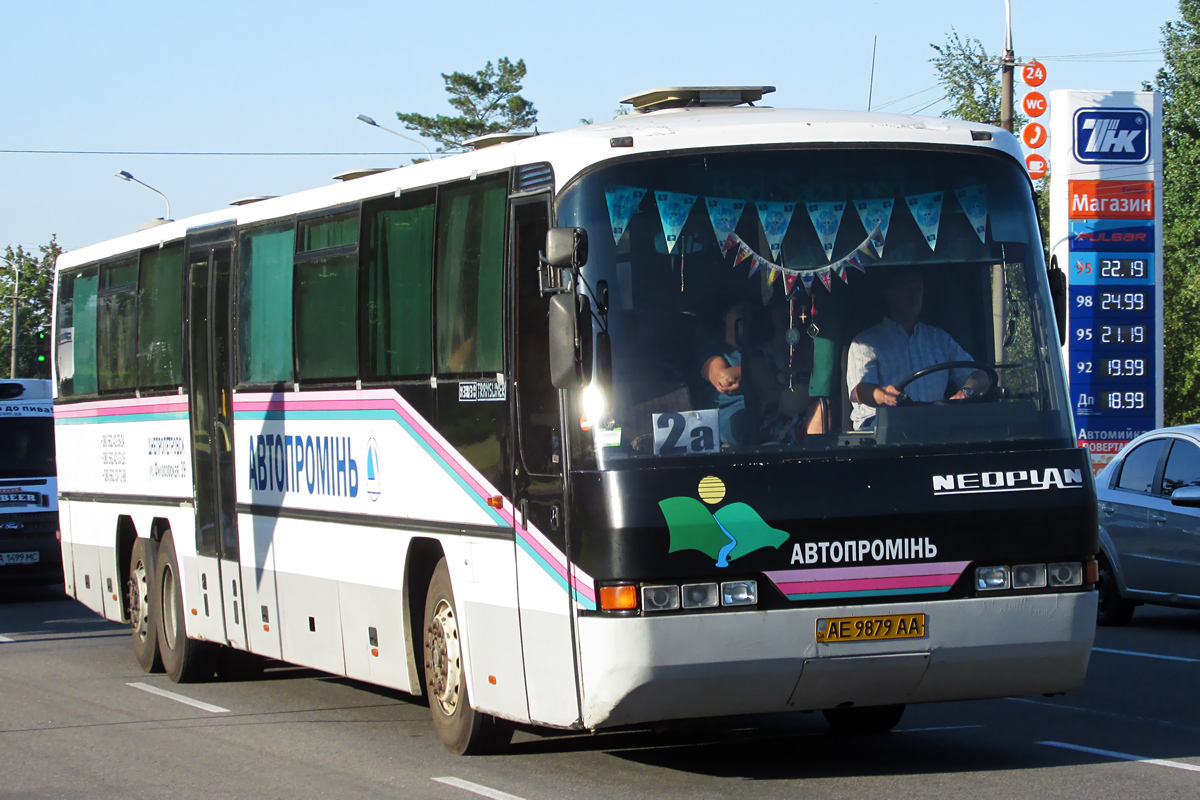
488,101
971,83
34,306
1179,83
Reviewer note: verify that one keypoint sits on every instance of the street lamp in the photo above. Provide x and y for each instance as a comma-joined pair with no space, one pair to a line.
12,364
125,176
375,124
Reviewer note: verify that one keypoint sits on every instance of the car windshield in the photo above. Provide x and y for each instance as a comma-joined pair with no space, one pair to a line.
745,294
26,447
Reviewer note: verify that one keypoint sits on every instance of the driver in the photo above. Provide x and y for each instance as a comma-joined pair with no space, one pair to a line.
899,345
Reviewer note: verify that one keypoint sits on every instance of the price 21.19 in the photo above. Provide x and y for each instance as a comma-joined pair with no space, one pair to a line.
1112,334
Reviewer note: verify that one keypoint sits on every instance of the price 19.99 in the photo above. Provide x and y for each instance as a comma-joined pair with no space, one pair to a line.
1113,368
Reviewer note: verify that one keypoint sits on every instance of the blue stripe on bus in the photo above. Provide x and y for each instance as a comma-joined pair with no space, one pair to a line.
873,593
553,573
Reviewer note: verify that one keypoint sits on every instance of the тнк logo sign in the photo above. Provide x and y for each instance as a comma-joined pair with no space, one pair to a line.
1112,135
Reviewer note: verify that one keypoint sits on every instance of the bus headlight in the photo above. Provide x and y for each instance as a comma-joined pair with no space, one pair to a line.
594,404
1029,576
660,598
990,578
739,593
701,595
1067,573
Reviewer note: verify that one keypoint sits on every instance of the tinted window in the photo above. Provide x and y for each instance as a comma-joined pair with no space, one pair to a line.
160,318
470,271
326,313
265,305
1183,467
116,329
76,350
1137,470
334,230
27,448
398,264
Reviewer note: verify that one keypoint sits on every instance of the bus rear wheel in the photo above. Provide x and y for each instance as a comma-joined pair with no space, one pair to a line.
462,729
142,616
867,719
185,660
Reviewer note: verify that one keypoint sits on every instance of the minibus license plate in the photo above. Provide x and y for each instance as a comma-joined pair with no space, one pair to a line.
19,558
858,629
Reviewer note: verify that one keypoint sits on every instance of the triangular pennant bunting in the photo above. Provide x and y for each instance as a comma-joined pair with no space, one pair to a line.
724,214
743,253
789,282
826,218
775,218
673,208
756,263
876,214
974,202
622,202
807,278
927,211
730,242
826,279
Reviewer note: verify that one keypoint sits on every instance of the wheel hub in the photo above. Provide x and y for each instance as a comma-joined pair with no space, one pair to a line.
139,601
443,658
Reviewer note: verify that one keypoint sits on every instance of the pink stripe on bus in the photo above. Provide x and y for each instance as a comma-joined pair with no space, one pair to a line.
853,573
869,584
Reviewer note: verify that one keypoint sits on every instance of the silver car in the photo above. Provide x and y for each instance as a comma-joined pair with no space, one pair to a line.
1149,509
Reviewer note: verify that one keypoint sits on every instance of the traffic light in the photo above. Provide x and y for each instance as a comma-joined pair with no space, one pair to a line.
42,347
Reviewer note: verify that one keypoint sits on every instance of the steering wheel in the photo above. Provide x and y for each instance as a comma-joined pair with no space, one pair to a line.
993,379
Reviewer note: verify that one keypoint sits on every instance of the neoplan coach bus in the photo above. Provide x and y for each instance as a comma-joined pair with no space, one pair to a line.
558,431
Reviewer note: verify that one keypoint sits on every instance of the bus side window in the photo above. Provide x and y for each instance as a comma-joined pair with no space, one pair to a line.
160,318
265,305
76,346
116,328
326,309
470,277
397,264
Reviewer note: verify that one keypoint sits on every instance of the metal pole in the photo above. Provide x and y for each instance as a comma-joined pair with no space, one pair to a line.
1006,72
12,365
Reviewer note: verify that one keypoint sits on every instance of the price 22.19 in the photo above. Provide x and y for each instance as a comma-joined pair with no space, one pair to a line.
1112,334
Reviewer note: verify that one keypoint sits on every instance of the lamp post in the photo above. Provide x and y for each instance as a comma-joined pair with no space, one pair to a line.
12,363
373,123
1007,61
125,176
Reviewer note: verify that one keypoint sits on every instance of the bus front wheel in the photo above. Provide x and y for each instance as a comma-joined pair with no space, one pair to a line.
462,729
867,719
142,617
185,660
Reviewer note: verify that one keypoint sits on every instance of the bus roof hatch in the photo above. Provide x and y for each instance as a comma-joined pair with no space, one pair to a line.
691,96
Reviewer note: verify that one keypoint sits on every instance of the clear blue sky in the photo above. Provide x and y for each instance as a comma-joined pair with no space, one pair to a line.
281,77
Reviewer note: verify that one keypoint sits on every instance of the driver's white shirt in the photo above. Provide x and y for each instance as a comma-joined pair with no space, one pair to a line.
886,354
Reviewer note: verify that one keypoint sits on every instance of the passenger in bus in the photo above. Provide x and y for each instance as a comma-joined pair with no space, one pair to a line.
777,375
721,368
899,345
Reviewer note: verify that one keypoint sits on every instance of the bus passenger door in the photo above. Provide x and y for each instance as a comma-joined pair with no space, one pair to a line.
546,607
210,381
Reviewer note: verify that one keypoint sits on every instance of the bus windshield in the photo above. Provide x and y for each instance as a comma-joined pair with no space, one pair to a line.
747,295
27,449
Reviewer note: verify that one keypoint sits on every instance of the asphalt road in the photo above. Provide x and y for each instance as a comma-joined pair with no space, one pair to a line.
78,718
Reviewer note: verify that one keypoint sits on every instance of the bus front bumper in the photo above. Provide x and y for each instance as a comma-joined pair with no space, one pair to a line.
644,669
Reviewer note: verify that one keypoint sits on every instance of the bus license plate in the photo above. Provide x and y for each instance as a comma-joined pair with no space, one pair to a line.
19,558
859,629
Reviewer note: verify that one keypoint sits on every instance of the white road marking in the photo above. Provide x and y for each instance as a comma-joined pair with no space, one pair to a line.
1146,655
943,728
1109,714
483,791
178,698
6,639
1123,756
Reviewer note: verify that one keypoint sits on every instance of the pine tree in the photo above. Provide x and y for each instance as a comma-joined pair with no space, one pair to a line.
488,101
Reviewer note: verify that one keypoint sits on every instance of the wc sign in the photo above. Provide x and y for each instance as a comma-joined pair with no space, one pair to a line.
1112,136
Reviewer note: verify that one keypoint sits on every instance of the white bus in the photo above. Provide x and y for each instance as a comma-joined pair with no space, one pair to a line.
559,432
29,550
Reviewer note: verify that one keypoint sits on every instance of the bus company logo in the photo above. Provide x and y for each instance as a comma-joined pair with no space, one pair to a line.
725,535
1019,480
1112,136
374,485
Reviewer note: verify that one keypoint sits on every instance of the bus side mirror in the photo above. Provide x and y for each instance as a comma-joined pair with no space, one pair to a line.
1058,294
566,248
570,340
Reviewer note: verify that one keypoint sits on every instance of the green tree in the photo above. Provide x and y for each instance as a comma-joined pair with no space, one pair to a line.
34,309
1179,83
968,74
489,101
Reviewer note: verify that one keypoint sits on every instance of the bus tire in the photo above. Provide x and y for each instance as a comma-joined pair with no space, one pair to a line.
142,614
462,729
864,719
1112,610
184,660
